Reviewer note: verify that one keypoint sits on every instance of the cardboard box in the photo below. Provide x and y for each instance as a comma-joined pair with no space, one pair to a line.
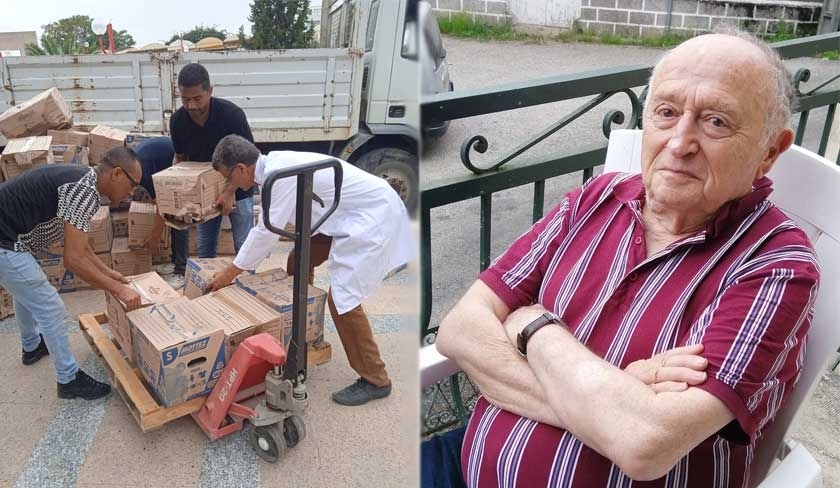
241,316
70,154
24,154
127,261
152,289
36,116
101,235
7,306
69,137
275,289
119,223
52,263
178,348
200,273
141,221
188,191
102,138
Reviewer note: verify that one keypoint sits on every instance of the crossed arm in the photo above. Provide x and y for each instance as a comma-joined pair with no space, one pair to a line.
640,428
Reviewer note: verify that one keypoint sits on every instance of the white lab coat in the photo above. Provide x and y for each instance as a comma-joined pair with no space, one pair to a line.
370,228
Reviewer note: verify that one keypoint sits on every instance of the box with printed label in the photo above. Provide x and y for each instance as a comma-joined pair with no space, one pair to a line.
127,261
241,315
119,223
200,273
141,221
52,264
24,154
70,137
70,154
188,191
7,305
152,290
101,234
34,117
275,289
179,350
102,139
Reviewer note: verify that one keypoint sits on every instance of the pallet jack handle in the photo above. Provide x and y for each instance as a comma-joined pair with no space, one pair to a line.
295,367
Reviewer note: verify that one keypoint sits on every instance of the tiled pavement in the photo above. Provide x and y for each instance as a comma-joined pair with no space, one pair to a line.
47,442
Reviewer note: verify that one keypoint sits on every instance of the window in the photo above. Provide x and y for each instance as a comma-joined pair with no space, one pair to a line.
371,27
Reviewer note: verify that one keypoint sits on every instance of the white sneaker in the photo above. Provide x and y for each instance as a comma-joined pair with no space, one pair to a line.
165,269
176,281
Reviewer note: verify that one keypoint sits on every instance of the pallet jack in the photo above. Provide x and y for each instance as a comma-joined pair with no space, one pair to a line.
260,362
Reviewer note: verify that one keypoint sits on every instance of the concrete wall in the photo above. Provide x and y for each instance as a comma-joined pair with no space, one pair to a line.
485,11
634,18
16,41
551,14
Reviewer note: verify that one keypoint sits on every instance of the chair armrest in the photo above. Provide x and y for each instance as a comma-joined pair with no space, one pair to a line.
798,468
434,366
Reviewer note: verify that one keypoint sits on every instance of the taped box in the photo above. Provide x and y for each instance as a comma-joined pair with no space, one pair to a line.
70,154
24,154
275,289
241,316
200,272
101,235
36,116
119,223
141,221
179,349
7,305
127,261
51,262
186,193
101,139
69,137
152,290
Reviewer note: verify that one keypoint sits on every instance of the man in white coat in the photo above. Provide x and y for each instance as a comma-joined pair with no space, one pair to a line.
367,237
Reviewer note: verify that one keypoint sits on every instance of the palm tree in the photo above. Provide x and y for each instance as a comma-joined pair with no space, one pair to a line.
53,47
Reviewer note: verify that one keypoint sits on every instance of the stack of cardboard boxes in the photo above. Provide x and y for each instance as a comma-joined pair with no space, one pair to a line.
180,344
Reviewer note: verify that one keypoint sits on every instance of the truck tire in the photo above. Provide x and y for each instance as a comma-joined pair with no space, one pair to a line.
398,167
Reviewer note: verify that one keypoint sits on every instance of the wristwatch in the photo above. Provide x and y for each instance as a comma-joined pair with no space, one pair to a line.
525,334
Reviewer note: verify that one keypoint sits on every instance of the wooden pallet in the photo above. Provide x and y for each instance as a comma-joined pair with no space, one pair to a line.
129,383
150,415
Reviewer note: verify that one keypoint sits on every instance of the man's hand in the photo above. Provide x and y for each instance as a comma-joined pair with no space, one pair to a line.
223,278
671,371
116,275
225,202
130,298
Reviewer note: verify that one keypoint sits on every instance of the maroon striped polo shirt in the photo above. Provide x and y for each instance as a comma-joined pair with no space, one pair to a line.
743,287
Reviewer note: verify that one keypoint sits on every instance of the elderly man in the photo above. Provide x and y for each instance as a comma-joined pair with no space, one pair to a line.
43,206
366,238
687,264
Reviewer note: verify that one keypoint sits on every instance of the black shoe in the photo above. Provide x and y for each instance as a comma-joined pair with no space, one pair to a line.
83,387
32,357
360,393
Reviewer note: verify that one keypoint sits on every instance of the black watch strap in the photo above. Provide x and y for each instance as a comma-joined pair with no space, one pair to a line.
525,335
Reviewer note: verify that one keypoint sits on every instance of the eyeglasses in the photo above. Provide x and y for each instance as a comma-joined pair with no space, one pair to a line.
133,183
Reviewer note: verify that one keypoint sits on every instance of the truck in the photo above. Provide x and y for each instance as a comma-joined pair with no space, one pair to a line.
354,97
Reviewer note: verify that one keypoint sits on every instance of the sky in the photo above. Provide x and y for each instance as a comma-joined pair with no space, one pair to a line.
146,20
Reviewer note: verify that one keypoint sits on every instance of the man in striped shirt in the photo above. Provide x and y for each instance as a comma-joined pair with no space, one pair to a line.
683,295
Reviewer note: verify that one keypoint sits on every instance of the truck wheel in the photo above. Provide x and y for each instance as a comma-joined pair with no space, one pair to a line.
398,167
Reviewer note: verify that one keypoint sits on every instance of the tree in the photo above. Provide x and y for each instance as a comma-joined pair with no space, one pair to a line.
73,35
199,32
280,24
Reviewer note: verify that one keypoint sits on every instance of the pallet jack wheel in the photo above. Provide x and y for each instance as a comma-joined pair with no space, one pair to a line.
294,430
269,442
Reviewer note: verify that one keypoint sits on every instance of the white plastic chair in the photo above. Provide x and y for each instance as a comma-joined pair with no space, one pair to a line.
806,188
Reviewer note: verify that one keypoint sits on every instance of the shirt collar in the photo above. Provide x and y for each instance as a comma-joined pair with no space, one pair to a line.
732,213
259,173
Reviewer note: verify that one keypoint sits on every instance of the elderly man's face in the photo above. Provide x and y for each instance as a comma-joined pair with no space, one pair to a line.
703,125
